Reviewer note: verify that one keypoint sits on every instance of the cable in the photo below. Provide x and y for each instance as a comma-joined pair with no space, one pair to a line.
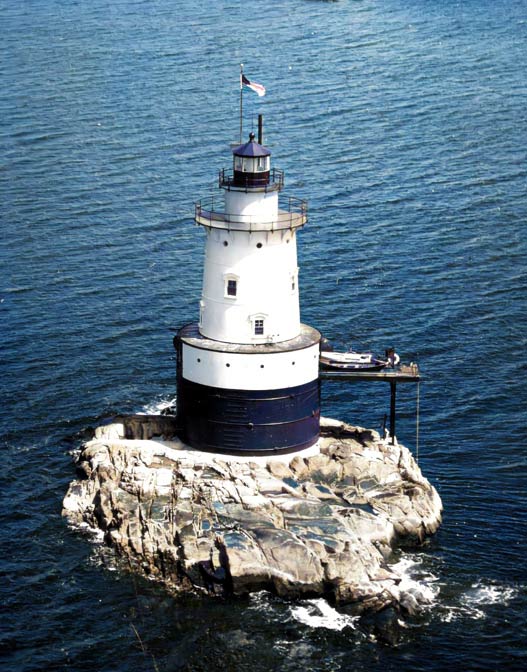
417,426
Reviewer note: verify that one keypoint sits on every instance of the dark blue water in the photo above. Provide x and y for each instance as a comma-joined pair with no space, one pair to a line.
405,125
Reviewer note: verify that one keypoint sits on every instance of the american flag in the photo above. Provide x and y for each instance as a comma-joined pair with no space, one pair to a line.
257,88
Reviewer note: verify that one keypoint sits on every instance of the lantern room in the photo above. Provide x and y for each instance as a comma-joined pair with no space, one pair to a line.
251,164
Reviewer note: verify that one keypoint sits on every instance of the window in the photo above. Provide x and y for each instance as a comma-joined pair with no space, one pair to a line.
294,280
230,286
259,328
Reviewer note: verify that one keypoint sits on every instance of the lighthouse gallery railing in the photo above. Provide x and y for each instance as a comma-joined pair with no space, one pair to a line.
292,214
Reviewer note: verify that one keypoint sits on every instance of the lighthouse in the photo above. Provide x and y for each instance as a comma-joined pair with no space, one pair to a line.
248,370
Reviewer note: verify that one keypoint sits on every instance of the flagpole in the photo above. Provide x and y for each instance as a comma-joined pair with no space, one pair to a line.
241,102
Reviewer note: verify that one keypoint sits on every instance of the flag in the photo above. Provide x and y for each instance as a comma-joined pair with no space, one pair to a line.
257,88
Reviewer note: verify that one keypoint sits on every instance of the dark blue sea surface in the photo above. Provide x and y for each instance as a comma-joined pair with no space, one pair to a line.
405,126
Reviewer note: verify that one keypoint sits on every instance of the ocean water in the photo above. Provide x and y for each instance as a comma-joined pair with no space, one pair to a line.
404,124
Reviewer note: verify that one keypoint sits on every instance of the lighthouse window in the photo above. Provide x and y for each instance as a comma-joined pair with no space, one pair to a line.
258,327
230,285
294,280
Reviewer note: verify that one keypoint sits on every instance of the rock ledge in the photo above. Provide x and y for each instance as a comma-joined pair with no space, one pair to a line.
320,522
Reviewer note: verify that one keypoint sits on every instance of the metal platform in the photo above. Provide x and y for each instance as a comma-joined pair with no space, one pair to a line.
402,374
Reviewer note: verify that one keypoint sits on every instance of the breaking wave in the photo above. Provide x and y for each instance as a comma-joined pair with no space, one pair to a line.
318,613
159,406
473,602
417,580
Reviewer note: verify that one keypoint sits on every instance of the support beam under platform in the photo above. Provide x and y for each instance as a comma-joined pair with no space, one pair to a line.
403,374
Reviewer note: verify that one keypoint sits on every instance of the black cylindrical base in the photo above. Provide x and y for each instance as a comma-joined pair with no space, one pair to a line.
245,421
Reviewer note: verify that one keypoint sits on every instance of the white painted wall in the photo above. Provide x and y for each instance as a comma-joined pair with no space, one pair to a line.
252,206
264,265
270,371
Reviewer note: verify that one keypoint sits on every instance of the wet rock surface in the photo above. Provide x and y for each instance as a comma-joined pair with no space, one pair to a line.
320,522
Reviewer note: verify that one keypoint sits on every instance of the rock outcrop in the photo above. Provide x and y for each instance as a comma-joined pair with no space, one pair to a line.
320,522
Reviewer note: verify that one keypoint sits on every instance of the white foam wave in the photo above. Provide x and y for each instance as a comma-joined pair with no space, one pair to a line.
156,407
454,613
490,594
96,535
421,588
473,601
319,614
418,586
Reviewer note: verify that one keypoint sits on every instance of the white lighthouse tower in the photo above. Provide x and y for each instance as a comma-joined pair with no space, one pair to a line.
248,376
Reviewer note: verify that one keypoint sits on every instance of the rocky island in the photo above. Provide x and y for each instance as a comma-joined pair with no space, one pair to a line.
323,521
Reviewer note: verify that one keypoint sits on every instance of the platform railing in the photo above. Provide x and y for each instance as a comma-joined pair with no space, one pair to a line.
292,214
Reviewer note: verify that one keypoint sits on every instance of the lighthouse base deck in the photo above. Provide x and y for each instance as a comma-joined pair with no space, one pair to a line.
190,335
